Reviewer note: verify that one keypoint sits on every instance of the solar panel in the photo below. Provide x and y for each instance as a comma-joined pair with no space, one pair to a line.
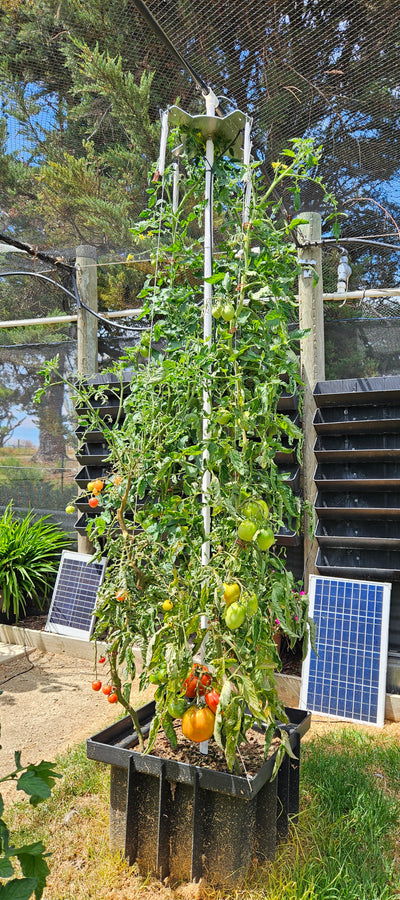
348,676
74,597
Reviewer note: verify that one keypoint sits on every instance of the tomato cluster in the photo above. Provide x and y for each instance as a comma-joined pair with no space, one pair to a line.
109,692
198,717
238,606
253,527
197,681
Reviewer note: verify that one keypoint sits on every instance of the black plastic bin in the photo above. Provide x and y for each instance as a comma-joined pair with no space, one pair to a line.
358,475
359,533
373,565
384,388
186,822
347,448
368,504
359,419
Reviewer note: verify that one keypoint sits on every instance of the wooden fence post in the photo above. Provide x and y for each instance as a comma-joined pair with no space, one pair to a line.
312,360
86,279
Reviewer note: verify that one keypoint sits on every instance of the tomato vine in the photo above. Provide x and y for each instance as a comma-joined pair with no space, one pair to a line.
150,524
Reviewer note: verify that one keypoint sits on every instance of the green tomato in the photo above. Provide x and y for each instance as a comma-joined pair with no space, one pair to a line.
228,312
217,311
224,416
265,538
256,510
159,676
177,706
235,615
251,605
247,530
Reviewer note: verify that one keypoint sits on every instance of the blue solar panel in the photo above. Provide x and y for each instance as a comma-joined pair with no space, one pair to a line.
75,593
347,676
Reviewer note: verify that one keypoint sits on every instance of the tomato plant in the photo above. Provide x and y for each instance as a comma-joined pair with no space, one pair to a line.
198,723
221,607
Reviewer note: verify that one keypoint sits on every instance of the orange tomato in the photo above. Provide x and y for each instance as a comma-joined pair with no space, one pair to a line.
98,485
198,723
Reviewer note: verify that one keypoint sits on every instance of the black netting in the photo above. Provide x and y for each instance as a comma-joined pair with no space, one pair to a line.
82,85
85,133
38,441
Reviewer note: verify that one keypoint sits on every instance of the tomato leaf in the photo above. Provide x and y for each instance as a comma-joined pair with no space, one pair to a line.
169,729
18,889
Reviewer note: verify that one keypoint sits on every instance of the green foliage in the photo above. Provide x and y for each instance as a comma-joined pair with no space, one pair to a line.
29,556
36,781
151,513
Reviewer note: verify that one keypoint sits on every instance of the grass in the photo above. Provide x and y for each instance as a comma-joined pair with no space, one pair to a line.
344,847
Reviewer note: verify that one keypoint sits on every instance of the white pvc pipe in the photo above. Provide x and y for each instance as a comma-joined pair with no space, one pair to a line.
163,142
247,145
207,335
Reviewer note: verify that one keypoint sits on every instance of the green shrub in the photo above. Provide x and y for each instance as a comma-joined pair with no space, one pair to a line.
29,557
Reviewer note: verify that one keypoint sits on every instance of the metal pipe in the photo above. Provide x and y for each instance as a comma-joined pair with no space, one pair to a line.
361,295
59,320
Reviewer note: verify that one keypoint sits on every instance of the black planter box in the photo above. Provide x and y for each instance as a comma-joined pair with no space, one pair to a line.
94,436
359,533
186,822
359,476
373,565
384,388
90,473
92,454
347,448
368,504
360,419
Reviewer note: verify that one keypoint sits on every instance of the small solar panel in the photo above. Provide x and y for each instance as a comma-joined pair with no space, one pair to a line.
75,593
348,676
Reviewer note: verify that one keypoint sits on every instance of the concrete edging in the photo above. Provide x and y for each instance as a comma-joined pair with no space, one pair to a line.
50,642
288,685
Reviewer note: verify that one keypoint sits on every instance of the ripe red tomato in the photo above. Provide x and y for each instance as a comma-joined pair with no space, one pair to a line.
107,689
198,723
190,684
102,659
212,700
96,685
121,596
112,698
93,502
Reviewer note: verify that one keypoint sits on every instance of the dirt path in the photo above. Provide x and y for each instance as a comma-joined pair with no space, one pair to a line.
47,705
